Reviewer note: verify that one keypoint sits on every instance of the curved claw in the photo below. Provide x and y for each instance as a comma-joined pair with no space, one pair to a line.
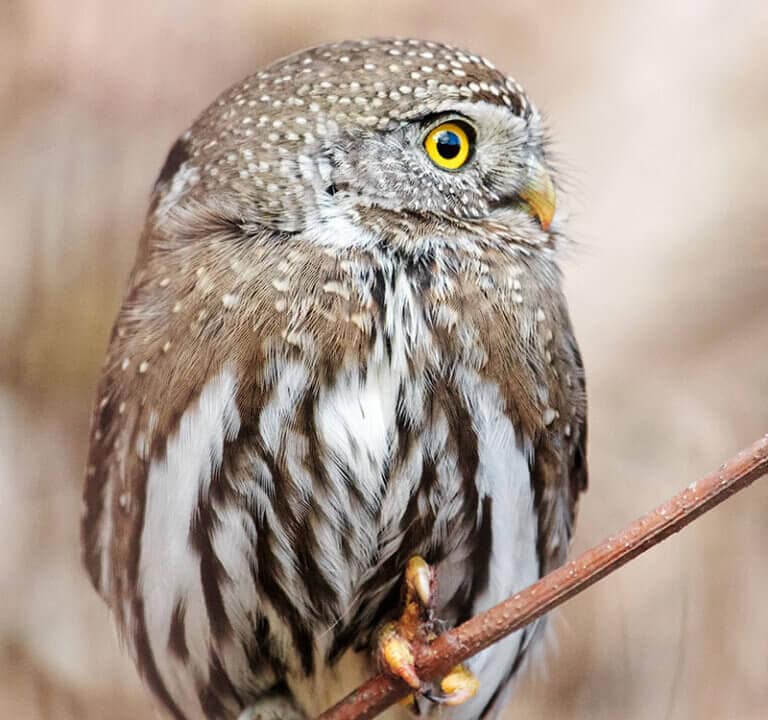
416,625
395,651
418,577
459,685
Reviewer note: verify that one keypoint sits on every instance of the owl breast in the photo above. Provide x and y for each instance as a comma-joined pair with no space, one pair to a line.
288,523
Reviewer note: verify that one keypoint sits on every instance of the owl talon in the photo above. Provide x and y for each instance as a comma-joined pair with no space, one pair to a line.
417,624
419,579
395,638
459,685
396,653
395,641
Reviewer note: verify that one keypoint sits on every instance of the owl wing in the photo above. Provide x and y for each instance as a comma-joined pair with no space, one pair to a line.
558,476
168,533
559,469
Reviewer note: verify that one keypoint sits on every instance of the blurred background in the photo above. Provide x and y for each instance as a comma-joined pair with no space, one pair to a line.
659,112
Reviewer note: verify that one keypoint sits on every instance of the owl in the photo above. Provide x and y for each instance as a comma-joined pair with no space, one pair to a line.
344,355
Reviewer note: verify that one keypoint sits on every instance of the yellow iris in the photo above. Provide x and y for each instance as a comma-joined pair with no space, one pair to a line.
448,146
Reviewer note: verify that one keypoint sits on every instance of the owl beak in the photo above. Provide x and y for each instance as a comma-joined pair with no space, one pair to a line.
538,192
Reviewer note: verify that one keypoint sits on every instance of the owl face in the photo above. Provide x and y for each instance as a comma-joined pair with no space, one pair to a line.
353,131
463,160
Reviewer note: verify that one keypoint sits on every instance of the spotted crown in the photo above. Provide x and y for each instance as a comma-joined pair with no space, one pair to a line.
257,140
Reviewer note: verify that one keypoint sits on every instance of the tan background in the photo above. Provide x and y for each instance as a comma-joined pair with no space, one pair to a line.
660,114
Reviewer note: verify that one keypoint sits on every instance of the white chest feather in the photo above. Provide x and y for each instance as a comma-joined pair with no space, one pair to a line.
503,477
377,431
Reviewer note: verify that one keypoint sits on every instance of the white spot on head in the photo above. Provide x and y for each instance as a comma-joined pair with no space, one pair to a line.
230,300
281,284
336,288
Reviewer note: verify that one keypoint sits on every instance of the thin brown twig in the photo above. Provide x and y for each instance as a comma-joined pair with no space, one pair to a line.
437,658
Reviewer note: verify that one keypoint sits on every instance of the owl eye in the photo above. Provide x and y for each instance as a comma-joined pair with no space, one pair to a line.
449,145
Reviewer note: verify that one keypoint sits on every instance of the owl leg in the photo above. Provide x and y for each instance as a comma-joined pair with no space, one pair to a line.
395,638
416,625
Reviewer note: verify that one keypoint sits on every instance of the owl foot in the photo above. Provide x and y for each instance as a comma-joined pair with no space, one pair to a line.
458,686
416,624
395,638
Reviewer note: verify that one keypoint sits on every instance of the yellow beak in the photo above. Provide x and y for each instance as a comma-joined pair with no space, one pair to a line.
539,193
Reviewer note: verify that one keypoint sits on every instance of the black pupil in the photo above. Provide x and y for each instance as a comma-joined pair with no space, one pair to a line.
448,144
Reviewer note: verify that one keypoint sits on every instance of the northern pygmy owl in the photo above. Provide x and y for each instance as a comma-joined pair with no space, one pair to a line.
344,344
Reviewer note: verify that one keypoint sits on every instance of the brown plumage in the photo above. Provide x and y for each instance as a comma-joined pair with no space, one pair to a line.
333,354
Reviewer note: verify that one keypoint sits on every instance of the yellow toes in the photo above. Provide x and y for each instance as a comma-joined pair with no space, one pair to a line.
418,578
395,650
396,653
459,685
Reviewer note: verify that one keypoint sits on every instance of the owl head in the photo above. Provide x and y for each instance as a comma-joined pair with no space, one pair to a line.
365,135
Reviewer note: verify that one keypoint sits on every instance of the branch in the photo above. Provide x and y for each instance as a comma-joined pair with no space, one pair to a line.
434,660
